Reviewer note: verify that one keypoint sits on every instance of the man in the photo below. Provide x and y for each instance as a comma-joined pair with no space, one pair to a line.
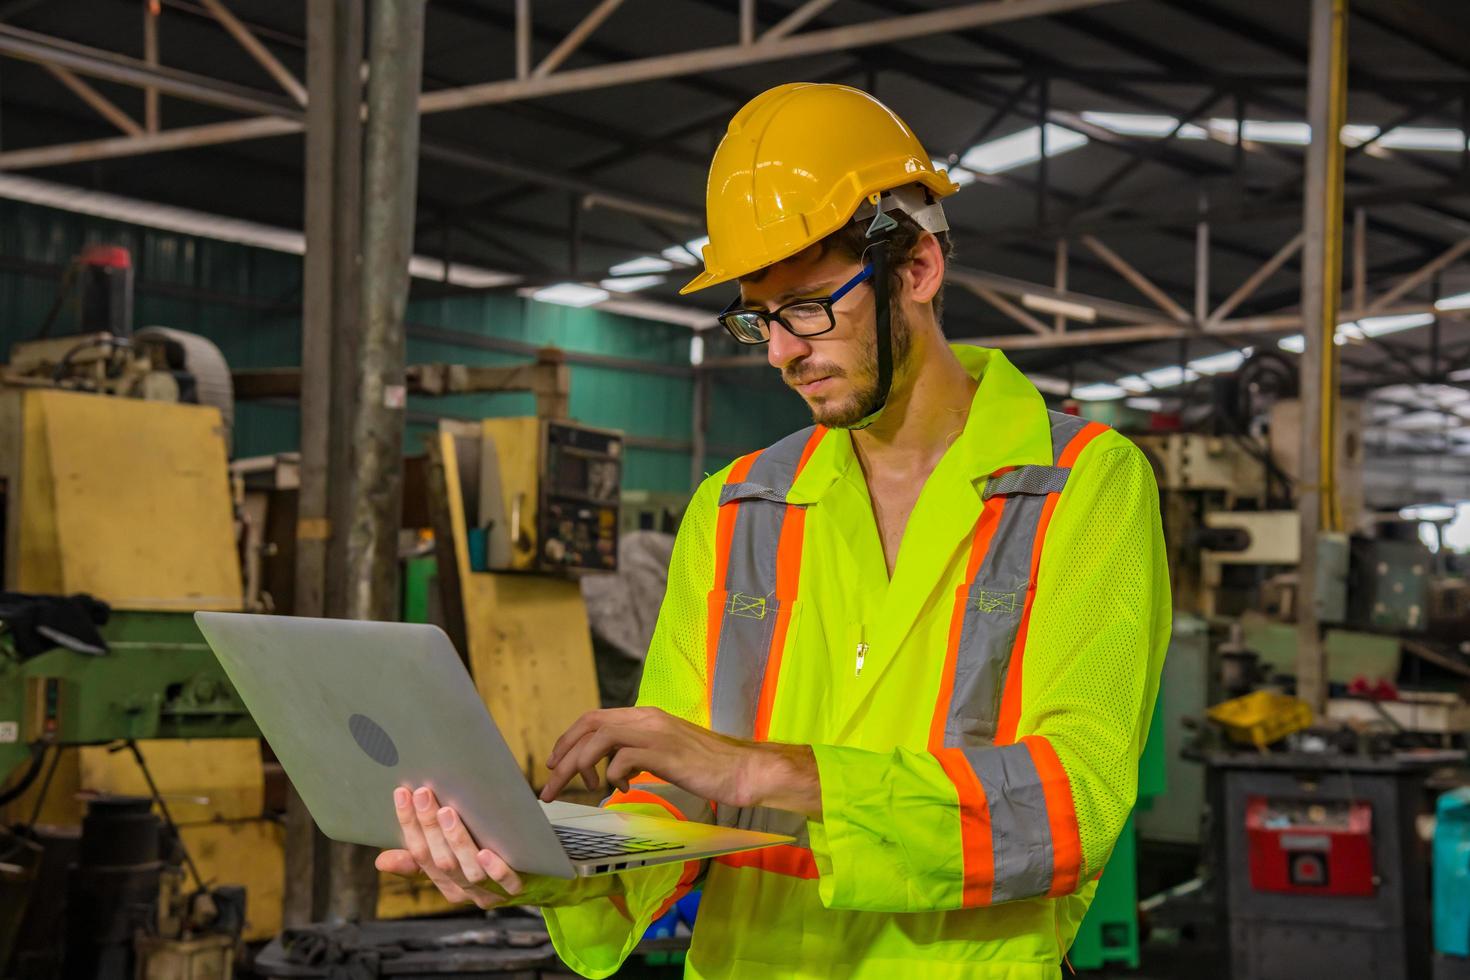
923,637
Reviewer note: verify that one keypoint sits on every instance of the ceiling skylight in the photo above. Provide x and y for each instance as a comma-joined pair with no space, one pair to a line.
1220,363
1020,149
1142,124
570,294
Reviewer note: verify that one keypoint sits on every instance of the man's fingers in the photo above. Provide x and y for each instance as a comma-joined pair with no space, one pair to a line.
398,862
500,872
426,809
408,822
627,763
588,722
461,845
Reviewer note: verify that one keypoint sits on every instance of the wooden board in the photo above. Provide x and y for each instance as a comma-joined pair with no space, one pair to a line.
528,642
228,772
128,500
244,852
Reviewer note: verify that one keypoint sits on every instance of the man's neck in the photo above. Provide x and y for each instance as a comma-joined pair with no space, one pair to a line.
926,410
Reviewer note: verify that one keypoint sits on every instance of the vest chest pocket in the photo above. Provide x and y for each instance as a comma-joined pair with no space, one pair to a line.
751,627
992,616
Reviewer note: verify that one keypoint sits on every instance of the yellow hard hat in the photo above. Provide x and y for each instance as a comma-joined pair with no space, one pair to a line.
795,165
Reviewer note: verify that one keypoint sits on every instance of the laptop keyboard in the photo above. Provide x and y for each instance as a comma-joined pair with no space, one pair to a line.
586,845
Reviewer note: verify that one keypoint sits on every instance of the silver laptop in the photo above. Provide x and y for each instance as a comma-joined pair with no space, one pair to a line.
354,710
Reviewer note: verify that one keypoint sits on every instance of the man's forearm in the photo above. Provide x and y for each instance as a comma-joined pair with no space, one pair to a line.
784,777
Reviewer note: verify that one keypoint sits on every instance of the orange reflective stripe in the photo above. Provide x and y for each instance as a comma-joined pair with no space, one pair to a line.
783,859
976,842
788,581
1010,702
724,534
1061,815
643,796
985,527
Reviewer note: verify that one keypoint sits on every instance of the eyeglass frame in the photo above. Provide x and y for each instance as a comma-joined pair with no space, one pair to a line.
862,276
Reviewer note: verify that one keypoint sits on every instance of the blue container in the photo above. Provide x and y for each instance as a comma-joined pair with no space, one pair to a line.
1452,873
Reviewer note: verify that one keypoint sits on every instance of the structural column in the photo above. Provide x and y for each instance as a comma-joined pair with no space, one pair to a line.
1322,207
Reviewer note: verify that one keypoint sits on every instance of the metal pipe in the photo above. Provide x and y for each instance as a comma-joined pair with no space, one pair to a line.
1321,272
747,22
575,37
185,138
1360,258
523,39
151,12
243,36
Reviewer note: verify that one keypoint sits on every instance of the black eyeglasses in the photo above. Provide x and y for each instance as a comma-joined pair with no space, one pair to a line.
802,317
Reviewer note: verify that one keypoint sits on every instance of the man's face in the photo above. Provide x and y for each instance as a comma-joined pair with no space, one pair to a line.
836,373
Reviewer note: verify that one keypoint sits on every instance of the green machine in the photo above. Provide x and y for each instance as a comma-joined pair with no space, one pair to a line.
159,680
1109,933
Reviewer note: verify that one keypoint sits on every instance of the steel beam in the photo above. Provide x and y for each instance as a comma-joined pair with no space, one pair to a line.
1248,288
1012,310
523,39
1420,276
100,103
151,115
1019,288
575,37
1135,278
795,20
94,63
243,36
183,138
885,31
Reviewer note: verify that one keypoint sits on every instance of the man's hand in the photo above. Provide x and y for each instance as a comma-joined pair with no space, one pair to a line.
726,770
437,844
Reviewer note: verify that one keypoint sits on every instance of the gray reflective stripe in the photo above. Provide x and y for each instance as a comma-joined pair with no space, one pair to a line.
1034,480
1063,428
1019,830
765,820
993,608
696,809
750,603
997,595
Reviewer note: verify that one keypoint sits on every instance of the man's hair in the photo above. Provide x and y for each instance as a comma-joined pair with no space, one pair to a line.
851,240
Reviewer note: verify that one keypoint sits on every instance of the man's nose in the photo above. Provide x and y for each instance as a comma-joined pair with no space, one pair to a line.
784,346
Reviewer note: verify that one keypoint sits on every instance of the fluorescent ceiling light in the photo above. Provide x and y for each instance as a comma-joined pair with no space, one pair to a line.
643,263
1019,149
1146,404
570,294
1219,363
696,350
1377,326
1141,124
1134,384
1168,377
1460,301
631,284
1428,512
1102,391
1296,343
1461,375
1422,138
1356,135
1046,304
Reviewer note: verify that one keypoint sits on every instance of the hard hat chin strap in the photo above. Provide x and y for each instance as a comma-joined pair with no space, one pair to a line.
884,338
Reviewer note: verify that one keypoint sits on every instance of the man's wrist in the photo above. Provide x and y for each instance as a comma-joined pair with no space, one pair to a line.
784,777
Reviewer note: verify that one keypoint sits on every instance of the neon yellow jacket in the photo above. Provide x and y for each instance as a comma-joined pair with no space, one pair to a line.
968,804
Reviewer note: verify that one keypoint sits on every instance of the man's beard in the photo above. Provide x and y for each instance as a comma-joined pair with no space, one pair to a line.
865,398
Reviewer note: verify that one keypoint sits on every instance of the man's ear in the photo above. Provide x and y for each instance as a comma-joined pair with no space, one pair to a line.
924,270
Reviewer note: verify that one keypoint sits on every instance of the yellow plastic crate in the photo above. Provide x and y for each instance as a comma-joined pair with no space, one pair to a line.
1261,717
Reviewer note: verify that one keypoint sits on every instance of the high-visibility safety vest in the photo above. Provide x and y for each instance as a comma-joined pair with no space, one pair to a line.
976,720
